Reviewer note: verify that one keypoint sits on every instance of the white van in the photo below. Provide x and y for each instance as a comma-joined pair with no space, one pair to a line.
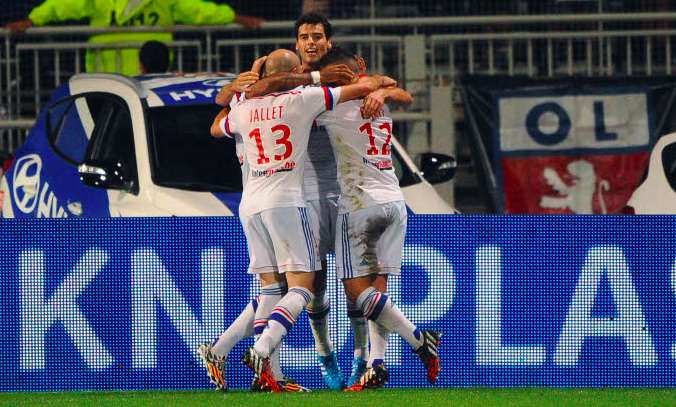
657,193
109,145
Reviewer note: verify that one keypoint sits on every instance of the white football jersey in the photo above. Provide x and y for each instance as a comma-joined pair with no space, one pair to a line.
319,177
363,154
275,129
239,143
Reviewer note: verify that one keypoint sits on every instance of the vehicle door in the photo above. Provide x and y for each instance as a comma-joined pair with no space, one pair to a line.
44,181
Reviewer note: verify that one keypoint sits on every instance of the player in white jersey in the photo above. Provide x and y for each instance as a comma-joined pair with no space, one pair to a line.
313,40
275,129
313,33
371,228
231,94
214,355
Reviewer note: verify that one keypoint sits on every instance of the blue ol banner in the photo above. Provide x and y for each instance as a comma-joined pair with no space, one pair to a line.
521,301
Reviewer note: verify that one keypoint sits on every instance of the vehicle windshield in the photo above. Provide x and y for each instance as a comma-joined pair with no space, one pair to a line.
184,155
403,171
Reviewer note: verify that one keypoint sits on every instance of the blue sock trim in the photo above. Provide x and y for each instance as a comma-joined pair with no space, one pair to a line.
276,316
377,362
273,291
307,295
417,334
379,307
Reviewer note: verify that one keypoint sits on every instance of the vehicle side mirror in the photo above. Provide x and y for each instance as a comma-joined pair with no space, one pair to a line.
437,168
106,175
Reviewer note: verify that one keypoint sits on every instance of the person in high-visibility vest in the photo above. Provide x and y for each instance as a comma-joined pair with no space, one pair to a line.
111,13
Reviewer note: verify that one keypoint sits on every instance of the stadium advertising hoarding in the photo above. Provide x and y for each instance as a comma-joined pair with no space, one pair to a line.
521,301
570,146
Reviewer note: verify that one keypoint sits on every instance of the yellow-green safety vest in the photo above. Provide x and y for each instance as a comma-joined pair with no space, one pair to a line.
109,13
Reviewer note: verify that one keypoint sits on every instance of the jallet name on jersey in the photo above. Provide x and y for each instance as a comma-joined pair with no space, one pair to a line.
266,113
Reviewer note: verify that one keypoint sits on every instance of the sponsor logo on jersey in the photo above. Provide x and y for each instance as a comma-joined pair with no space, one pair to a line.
288,166
382,165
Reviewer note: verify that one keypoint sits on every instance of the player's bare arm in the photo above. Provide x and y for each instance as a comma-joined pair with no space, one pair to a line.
335,74
215,126
374,101
364,86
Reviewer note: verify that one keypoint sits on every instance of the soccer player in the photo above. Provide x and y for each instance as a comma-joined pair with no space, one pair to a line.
371,227
313,34
215,355
313,40
253,319
275,129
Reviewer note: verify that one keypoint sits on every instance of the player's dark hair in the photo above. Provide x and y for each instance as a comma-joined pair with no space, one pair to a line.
313,19
154,56
336,55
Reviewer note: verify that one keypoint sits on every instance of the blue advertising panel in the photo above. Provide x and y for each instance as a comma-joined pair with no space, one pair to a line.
521,301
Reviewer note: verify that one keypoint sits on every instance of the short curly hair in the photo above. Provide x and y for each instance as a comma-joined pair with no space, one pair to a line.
313,19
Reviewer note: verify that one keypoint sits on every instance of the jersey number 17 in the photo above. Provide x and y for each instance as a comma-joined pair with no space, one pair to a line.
373,149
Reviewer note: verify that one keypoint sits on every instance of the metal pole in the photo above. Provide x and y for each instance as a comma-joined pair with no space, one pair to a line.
629,57
17,108
510,57
57,69
8,75
668,54
372,16
208,53
600,30
36,72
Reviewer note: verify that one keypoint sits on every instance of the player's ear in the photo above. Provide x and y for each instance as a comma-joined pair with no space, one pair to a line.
362,64
329,44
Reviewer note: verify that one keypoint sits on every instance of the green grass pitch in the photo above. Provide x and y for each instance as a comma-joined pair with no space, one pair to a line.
385,398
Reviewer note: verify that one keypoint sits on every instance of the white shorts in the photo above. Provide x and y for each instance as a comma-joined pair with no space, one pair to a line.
371,240
325,211
281,240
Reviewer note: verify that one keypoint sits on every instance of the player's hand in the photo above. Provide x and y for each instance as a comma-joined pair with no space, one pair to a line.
244,80
337,75
258,64
387,82
372,82
18,27
249,21
371,116
372,108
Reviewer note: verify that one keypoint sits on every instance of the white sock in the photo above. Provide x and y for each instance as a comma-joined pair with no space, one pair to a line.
282,319
360,331
378,336
318,312
270,295
377,307
238,330
275,364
